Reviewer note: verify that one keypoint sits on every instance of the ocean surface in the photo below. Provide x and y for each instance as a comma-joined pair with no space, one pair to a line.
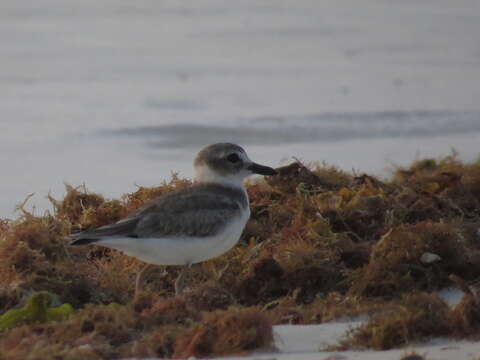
120,93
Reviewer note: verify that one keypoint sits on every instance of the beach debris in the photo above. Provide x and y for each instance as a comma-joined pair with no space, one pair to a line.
428,258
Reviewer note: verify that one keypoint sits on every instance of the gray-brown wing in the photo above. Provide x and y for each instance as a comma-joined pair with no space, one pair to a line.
188,213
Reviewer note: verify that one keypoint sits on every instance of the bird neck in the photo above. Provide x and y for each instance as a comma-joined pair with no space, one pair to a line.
204,174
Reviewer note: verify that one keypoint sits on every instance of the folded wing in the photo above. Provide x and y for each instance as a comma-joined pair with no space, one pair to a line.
197,211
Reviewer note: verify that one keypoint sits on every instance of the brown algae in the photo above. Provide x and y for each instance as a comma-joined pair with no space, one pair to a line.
321,244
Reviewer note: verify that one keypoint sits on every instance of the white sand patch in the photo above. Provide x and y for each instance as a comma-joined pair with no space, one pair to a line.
308,342
304,343
309,338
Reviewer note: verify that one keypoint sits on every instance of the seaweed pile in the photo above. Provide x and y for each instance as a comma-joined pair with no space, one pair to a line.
321,244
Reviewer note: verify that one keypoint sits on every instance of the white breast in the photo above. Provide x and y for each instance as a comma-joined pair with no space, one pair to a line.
228,238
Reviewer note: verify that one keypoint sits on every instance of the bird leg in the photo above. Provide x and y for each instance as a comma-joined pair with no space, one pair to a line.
139,280
180,282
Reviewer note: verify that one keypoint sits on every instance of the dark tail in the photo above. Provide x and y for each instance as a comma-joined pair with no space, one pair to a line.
83,241
123,228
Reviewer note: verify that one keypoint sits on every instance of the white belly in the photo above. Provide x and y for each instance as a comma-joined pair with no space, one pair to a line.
180,250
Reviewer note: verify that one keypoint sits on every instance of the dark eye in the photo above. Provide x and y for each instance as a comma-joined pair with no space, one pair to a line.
233,158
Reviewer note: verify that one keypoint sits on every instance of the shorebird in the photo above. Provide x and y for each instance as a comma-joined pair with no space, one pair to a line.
191,225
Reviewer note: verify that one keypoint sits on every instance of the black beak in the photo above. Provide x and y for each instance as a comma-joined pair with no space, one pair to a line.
261,170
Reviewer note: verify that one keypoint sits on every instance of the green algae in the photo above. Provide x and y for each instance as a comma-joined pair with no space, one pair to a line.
36,309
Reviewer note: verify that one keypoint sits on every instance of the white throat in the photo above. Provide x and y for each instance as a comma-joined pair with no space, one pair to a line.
204,174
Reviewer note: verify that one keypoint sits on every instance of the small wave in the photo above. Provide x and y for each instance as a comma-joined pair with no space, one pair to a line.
274,130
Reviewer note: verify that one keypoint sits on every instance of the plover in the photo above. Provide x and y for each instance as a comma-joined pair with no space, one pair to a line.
191,225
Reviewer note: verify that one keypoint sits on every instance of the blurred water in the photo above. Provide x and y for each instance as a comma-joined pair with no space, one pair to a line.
309,129
117,93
